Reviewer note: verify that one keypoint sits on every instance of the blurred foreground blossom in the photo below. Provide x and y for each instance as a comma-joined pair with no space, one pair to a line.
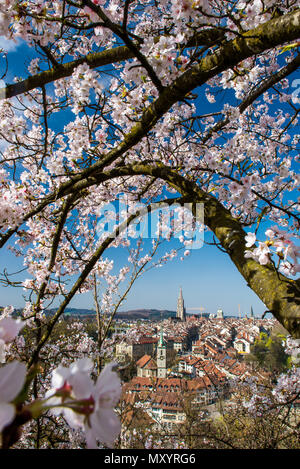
9,329
85,404
12,378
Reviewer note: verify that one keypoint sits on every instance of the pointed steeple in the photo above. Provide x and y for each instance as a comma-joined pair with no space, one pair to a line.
181,312
161,356
161,341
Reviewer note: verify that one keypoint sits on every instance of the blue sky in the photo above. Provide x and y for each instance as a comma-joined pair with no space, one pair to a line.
208,278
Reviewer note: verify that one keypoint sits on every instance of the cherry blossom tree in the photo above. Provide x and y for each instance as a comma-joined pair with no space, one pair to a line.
165,102
135,76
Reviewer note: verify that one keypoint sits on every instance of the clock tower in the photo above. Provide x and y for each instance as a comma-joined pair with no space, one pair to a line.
161,357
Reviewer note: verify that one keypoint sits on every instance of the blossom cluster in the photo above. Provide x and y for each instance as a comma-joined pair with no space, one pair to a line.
85,404
9,329
280,243
122,100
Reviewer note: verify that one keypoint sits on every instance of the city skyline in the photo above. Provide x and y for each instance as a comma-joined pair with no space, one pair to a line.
216,285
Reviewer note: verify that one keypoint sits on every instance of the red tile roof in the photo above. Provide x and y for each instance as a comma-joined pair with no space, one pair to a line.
169,385
143,361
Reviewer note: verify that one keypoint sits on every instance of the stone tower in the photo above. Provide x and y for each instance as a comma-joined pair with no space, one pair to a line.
181,313
161,357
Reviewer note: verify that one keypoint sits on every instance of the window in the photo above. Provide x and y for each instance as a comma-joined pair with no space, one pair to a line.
170,417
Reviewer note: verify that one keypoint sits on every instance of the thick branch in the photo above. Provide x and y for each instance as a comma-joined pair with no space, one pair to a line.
270,34
94,60
280,294
275,32
88,269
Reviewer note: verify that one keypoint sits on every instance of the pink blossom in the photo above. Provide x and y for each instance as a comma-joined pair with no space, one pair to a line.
91,407
270,233
250,239
12,378
262,253
210,98
103,423
9,329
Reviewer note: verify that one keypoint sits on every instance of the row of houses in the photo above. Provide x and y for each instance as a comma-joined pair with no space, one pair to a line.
230,335
222,366
165,401
207,353
135,348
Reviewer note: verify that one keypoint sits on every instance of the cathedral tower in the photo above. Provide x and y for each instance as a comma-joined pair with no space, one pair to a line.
181,312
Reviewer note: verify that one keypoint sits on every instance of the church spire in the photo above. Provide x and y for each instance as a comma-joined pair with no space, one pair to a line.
161,338
161,358
181,312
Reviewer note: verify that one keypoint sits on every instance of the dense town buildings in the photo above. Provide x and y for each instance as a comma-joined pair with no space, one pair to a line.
187,359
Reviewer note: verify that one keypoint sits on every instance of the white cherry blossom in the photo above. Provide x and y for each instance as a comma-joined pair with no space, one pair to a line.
12,378
250,239
85,404
9,329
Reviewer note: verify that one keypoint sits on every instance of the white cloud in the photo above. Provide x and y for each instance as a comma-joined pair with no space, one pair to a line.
9,45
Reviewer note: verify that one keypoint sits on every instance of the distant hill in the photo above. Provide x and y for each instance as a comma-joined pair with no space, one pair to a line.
147,314
150,314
